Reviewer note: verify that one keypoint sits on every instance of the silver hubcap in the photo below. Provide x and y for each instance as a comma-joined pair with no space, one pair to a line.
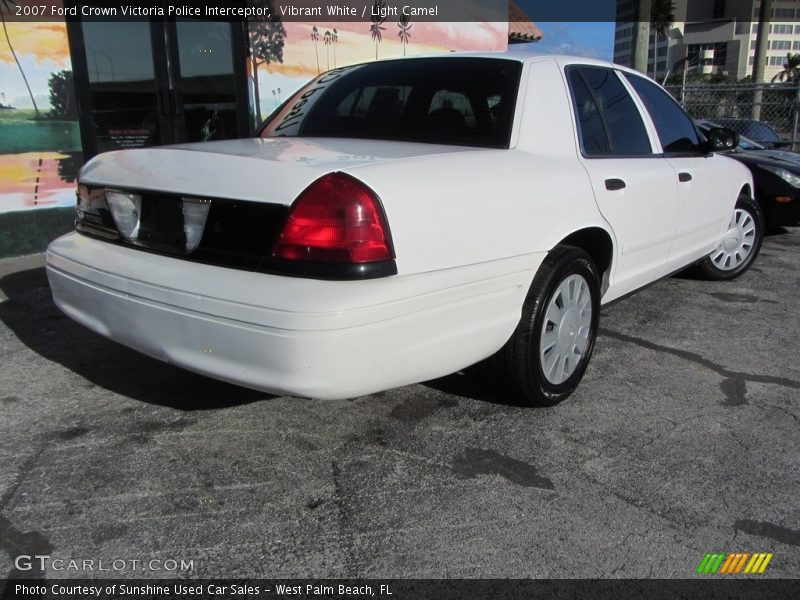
566,329
738,243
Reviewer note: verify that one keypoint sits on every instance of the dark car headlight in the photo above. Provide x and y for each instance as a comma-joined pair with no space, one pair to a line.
789,177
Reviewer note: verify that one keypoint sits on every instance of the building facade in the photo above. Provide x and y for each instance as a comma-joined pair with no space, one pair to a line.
711,37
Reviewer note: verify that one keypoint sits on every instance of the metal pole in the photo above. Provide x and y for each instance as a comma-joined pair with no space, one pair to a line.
642,40
760,60
796,108
683,83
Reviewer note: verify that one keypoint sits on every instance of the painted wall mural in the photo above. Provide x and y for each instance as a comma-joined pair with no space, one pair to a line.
40,146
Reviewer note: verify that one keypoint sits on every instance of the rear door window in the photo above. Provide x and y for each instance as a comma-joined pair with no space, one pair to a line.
609,122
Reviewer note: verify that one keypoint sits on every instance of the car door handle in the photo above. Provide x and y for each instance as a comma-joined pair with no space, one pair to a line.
612,185
684,177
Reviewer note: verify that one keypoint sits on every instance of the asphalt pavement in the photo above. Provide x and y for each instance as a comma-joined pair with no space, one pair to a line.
681,440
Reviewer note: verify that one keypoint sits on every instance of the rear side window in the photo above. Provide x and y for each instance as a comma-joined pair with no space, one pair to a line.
675,129
459,101
609,122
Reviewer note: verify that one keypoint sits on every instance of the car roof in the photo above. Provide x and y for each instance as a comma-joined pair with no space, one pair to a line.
524,53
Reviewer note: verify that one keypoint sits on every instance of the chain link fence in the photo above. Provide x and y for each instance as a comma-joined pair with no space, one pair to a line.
777,104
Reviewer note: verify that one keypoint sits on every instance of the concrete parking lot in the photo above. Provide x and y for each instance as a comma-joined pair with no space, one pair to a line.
681,440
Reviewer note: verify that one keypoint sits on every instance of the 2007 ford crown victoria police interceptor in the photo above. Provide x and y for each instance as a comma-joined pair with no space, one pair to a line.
400,220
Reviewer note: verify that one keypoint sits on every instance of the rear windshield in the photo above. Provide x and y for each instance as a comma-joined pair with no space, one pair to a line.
752,129
457,101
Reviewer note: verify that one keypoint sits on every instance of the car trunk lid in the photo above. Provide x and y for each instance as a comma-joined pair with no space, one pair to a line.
273,170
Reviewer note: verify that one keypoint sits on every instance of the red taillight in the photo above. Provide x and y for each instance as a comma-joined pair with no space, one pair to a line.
335,219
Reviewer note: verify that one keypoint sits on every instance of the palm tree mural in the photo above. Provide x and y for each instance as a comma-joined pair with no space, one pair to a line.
791,69
267,40
661,18
335,39
378,9
5,5
327,38
405,31
315,37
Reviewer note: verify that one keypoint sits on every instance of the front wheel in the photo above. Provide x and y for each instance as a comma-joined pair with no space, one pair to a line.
740,245
547,354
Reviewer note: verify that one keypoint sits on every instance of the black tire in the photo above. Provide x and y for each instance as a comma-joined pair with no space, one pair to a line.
720,265
518,363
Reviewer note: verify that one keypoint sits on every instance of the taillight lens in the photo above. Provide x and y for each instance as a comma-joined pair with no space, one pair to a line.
336,219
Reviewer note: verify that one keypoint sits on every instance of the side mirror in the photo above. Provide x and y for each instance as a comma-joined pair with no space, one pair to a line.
721,139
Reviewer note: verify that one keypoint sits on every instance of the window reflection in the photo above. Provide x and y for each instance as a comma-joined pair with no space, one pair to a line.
122,84
207,80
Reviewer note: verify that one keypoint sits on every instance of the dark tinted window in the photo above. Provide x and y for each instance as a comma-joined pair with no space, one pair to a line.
755,130
592,131
122,84
461,101
608,119
675,129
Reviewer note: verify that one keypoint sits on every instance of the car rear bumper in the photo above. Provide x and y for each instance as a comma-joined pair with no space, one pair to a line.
284,335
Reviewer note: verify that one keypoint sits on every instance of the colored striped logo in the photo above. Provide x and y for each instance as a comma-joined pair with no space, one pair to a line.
733,563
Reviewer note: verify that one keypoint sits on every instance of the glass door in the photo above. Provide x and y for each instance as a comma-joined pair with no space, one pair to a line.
147,83
206,82
122,86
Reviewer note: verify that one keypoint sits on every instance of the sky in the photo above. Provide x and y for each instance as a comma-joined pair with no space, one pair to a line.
577,27
593,40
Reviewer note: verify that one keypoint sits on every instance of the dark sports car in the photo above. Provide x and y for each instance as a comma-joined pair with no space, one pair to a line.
776,175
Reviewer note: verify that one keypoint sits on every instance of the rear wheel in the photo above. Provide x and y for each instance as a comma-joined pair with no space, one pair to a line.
740,245
547,354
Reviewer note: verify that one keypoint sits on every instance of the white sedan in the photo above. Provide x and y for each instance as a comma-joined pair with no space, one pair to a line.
397,221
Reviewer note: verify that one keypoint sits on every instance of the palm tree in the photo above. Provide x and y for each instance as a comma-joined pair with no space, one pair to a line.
335,38
315,37
405,30
378,9
267,40
791,74
6,5
661,18
328,42
791,69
